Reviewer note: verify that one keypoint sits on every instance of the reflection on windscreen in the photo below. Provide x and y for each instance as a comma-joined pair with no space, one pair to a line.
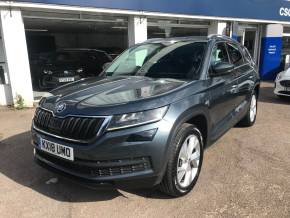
181,60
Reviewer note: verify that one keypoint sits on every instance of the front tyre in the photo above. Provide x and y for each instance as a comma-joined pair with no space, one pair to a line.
251,115
185,162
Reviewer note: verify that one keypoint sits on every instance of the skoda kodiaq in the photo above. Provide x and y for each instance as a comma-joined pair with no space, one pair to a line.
148,118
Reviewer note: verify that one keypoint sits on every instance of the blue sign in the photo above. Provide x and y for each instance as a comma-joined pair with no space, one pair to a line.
270,58
275,10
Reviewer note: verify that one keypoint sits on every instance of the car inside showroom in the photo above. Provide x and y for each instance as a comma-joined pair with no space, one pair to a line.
66,47
84,42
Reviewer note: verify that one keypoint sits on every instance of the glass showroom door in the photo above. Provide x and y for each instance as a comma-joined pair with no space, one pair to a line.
249,37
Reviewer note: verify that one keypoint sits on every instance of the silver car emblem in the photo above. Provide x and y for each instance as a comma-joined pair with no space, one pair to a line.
60,107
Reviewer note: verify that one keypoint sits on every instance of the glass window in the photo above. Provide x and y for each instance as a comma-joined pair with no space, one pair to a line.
235,54
180,60
219,54
247,55
165,28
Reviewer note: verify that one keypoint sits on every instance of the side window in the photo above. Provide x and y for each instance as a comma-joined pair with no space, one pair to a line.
235,55
247,55
219,54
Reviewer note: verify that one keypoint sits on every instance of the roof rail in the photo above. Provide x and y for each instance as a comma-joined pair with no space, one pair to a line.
176,39
214,36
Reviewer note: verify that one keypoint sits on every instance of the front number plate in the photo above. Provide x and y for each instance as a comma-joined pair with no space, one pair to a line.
66,79
57,149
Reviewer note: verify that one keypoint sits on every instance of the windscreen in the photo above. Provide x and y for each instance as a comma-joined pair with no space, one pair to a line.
180,60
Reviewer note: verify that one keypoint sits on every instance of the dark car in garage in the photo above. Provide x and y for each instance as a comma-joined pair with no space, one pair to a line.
50,70
147,120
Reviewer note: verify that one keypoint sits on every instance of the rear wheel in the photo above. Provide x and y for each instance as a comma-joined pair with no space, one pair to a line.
251,115
185,162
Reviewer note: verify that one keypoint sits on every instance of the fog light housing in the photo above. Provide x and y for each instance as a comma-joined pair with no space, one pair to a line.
147,135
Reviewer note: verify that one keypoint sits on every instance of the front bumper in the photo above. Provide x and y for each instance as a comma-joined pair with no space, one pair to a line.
281,90
115,158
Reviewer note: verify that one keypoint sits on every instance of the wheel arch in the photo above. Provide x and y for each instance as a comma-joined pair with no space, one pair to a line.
257,89
198,116
201,123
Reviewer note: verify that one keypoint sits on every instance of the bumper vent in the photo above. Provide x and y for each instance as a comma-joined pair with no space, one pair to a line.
71,128
285,83
100,168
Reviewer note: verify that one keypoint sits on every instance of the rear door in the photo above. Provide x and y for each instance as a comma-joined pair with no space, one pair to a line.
222,92
245,74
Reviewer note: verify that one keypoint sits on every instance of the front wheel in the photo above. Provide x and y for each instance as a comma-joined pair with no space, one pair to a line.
251,115
185,162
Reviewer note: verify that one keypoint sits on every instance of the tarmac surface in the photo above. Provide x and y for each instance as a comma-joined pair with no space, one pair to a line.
245,174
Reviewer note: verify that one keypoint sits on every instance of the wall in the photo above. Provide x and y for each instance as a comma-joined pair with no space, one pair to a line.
14,41
271,48
277,10
5,89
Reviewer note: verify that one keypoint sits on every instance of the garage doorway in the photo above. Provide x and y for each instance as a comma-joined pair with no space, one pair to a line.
66,47
249,36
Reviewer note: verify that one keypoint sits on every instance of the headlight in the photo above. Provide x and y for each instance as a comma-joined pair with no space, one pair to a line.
138,118
278,76
80,70
49,72
42,100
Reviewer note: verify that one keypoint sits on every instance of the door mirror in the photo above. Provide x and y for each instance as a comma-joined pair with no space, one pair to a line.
221,68
106,65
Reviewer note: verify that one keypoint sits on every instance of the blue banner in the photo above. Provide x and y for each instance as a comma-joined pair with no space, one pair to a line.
275,10
270,59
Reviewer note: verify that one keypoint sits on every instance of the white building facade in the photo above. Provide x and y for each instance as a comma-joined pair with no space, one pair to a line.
32,28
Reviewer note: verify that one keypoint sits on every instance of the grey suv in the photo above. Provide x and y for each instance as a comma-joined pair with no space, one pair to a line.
147,120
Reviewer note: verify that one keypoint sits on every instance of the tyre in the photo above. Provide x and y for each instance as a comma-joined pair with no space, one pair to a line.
251,115
184,163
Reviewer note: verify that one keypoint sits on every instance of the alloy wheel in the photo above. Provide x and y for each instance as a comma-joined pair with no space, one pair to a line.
188,161
253,108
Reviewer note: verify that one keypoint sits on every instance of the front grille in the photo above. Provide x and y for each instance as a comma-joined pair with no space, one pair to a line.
100,168
63,73
284,92
75,128
285,83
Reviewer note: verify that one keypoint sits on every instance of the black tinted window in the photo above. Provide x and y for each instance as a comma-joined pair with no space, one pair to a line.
235,54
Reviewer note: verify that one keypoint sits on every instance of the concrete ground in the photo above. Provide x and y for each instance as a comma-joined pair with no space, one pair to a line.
245,174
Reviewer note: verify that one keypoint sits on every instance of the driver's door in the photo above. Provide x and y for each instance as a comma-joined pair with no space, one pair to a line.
223,87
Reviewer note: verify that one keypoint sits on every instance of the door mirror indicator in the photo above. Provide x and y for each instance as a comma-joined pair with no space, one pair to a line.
221,69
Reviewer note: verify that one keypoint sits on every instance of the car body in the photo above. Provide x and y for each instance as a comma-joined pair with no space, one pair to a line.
51,70
282,84
123,129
